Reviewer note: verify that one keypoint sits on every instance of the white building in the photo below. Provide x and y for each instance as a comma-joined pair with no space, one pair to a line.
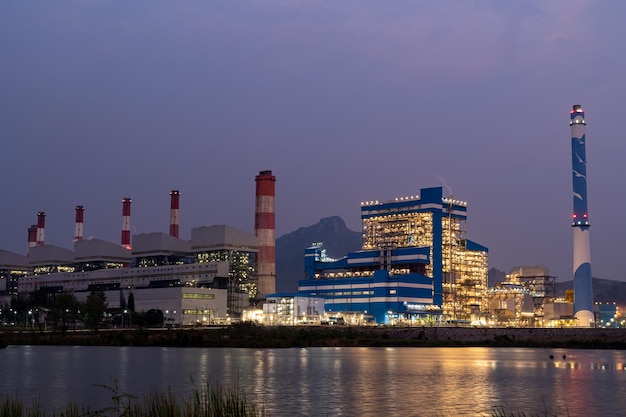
289,309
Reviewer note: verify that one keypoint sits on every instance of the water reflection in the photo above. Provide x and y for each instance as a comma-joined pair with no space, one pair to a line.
335,381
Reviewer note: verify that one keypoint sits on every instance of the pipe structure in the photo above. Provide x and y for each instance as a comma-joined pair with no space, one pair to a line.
174,207
583,292
126,223
264,229
32,238
41,227
78,230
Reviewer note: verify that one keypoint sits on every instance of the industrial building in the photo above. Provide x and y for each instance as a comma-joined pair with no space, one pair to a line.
416,265
163,272
522,298
211,278
13,267
289,309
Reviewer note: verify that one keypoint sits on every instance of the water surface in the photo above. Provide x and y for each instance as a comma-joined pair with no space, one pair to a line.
333,381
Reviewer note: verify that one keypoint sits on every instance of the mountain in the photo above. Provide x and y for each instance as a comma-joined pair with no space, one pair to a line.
495,276
604,290
338,240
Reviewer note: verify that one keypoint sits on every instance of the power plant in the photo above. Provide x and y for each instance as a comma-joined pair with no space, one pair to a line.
416,266
583,293
210,279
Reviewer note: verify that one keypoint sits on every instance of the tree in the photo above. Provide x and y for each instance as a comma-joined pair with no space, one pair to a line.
131,302
122,301
64,306
95,307
131,308
154,318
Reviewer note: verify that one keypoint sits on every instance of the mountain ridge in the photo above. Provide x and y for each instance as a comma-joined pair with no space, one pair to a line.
332,231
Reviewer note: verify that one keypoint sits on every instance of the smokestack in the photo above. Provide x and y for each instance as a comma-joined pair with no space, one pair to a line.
78,231
174,201
126,223
41,226
583,293
32,238
264,229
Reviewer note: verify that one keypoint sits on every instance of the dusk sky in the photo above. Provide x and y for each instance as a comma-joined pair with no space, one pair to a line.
345,101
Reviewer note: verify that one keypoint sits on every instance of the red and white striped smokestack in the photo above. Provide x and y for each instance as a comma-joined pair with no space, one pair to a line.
126,223
174,205
264,229
32,238
41,226
78,231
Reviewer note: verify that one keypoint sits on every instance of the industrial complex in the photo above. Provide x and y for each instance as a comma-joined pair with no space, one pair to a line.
210,279
416,267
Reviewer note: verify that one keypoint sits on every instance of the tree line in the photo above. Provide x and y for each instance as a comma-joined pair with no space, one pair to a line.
45,310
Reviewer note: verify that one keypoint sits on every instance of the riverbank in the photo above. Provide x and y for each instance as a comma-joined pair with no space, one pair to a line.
250,336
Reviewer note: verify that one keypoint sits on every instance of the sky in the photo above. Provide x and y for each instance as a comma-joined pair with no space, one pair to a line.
344,101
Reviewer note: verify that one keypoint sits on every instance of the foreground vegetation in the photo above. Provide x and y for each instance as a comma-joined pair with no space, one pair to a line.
209,400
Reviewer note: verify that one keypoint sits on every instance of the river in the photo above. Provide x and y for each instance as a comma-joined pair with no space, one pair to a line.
333,381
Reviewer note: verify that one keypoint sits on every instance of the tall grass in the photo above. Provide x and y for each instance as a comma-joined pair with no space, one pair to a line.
206,401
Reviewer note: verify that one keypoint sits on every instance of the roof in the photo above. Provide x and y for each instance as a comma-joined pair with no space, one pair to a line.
222,237
158,243
100,250
50,255
12,260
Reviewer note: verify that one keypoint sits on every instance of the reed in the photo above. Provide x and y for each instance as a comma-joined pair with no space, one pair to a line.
206,401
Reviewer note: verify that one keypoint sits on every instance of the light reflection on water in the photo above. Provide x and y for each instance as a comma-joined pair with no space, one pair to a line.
334,381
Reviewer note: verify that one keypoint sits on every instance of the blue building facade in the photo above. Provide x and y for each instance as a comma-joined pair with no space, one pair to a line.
415,264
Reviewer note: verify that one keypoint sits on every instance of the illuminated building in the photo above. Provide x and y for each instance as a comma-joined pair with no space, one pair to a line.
416,264
221,243
218,262
521,298
607,315
289,309
13,267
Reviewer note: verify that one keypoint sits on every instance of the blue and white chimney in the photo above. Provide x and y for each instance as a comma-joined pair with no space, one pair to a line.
583,293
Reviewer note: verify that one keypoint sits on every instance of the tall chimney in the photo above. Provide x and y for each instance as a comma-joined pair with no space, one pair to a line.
174,205
264,229
126,223
41,226
32,238
78,231
583,291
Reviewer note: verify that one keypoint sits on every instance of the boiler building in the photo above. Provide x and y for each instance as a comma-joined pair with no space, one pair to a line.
416,264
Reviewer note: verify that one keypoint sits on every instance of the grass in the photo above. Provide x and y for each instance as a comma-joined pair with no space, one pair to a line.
206,401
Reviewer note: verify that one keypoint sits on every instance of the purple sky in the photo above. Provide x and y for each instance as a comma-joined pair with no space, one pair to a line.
344,101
